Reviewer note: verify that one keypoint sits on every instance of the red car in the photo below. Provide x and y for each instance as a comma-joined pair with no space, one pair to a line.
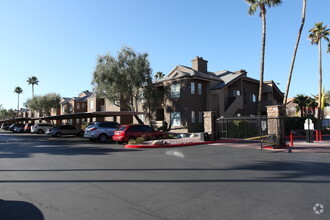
130,132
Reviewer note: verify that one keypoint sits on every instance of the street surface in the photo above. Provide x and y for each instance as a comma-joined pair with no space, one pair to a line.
71,178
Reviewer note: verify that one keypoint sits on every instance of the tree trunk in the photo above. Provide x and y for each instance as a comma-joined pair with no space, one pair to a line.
263,45
295,52
32,91
139,120
320,87
17,104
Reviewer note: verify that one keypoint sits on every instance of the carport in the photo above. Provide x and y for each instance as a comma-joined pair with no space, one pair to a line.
89,115
15,120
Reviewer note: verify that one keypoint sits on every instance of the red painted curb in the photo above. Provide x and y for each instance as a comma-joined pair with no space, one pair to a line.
178,145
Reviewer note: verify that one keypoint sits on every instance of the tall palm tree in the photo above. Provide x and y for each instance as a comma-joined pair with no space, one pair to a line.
33,80
317,33
295,52
18,90
254,5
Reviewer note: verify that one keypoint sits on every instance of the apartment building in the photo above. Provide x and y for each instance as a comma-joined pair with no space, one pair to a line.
189,91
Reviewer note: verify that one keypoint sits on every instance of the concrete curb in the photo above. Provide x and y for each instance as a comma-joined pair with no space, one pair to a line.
178,145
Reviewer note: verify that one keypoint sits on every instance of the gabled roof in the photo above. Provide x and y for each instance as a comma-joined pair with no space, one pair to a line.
273,84
64,100
184,71
227,78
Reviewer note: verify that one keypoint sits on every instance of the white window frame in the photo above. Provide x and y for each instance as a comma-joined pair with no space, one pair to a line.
193,117
175,91
176,119
192,88
200,89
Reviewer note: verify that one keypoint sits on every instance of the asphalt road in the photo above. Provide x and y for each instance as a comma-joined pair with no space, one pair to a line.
70,178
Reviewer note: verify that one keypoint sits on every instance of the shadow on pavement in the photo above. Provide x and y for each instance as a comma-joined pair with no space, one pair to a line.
10,210
281,172
24,150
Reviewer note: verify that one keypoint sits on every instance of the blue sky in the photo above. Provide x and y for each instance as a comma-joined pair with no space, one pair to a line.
59,41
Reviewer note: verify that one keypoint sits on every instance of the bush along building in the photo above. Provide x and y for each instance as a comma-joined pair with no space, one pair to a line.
189,91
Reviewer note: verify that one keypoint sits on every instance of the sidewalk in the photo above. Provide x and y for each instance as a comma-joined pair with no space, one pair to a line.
316,147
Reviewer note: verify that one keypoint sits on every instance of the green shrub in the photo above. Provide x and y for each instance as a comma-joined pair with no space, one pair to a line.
139,140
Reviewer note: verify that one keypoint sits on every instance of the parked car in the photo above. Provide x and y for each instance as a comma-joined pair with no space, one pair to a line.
5,126
65,130
12,127
27,127
40,128
19,128
101,131
130,132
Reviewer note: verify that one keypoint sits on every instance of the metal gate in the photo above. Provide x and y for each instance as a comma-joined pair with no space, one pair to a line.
241,127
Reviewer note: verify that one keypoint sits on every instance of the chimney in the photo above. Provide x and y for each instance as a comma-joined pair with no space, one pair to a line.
199,64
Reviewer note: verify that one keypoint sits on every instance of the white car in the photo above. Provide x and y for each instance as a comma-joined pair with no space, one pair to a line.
40,128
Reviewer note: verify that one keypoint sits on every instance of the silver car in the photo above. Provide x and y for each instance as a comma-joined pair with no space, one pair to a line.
40,128
64,130
101,131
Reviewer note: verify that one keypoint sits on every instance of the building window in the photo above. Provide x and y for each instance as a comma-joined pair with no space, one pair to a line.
175,118
200,88
83,105
253,98
192,88
200,117
193,117
236,93
91,104
78,105
175,91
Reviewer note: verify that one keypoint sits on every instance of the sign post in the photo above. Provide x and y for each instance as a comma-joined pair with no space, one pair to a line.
309,128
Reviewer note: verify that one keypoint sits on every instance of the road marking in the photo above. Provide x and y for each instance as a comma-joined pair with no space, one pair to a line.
175,153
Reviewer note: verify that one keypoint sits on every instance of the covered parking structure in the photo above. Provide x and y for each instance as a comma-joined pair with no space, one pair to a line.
15,120
88,116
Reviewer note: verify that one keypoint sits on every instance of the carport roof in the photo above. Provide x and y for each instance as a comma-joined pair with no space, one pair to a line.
78,115
90,115
15,120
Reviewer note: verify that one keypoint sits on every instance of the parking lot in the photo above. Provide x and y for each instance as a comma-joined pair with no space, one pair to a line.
44,177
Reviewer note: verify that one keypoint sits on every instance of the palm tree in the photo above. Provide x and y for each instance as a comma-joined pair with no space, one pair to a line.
317,33
295,51
159,75
33,80
254,5
302,102
18,90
